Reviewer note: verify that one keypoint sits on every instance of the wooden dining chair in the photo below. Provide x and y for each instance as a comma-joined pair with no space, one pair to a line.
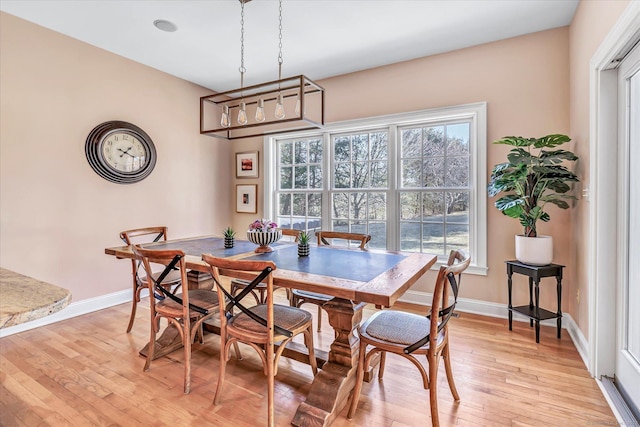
259,291
299,297
185,311
260,326
360,239
410,335
139,279
291,233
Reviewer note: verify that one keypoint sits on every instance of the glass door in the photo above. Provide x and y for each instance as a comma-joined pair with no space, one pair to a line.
627,370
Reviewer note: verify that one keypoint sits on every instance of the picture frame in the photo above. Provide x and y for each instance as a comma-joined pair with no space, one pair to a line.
246,198
247,164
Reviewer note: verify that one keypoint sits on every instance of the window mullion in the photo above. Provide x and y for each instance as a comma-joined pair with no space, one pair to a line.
393,193
327,178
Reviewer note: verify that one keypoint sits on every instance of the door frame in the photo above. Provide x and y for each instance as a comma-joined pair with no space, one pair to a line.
603,210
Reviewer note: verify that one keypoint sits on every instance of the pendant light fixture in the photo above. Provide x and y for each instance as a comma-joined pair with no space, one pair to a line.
284,105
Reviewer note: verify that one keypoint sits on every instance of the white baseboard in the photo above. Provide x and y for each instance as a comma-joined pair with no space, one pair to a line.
72,310
501,311
578,339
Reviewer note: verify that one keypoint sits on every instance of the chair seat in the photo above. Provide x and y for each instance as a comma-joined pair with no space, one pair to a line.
397,327
289,318
241,283
311,295
203,298
171,279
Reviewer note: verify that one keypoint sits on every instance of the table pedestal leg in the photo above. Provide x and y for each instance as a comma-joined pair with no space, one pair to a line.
168,342
333,384
199,280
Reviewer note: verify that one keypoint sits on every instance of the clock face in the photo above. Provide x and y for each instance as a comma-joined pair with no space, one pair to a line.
123,151
120,152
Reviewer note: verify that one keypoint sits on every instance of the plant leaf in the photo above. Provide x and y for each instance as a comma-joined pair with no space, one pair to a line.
516,141
552,140
557,156
560,203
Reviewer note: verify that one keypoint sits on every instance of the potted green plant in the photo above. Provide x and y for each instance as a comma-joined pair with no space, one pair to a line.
229,237
533,176
303,243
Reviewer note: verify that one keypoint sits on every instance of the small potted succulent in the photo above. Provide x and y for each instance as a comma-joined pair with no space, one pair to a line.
303,243
229,237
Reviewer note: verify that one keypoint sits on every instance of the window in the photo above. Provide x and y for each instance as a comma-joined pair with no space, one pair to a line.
415,182
435,187
360,180
299,183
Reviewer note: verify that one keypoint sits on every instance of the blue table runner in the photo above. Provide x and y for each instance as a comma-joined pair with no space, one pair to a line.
362,266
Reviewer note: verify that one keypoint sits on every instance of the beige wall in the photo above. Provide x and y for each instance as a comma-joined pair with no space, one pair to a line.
525,82
57,214
592,22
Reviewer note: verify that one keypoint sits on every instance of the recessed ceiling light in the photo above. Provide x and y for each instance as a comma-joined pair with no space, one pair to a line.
165,25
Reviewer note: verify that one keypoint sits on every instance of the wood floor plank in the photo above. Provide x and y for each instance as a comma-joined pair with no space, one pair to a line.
87,371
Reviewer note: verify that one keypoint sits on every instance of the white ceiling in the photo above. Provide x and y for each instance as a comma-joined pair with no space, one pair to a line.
321,38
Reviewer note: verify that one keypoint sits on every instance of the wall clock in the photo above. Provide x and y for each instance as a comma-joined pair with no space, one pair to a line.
120,152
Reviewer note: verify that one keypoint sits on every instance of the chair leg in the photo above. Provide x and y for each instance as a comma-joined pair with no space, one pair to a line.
263,296
433,389
319,319
383,358
201,333
271,413
308,341
152,343
236,348
355,396
186,342
224,355
134,306
175,290
447,367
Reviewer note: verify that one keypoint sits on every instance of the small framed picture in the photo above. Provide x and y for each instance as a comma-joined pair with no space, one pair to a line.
246,198
247,164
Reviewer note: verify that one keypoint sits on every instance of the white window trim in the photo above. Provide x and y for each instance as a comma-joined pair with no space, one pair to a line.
477,112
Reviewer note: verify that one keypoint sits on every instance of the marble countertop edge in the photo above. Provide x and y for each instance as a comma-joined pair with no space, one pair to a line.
23,298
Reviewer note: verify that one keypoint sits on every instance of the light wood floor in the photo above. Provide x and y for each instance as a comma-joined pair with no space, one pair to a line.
86,371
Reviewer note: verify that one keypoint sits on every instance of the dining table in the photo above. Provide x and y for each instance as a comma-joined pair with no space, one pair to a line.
354,278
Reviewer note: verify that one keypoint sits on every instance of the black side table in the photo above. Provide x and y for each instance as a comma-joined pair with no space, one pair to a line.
533,310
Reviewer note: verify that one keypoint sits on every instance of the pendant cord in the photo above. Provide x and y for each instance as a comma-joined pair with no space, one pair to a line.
242,69
280,42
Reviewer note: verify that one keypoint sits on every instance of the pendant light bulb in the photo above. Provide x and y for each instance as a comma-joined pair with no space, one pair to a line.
224,120
260,117
279,113
242,114
297,110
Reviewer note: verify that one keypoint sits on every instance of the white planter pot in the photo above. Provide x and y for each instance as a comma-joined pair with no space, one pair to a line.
534,250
